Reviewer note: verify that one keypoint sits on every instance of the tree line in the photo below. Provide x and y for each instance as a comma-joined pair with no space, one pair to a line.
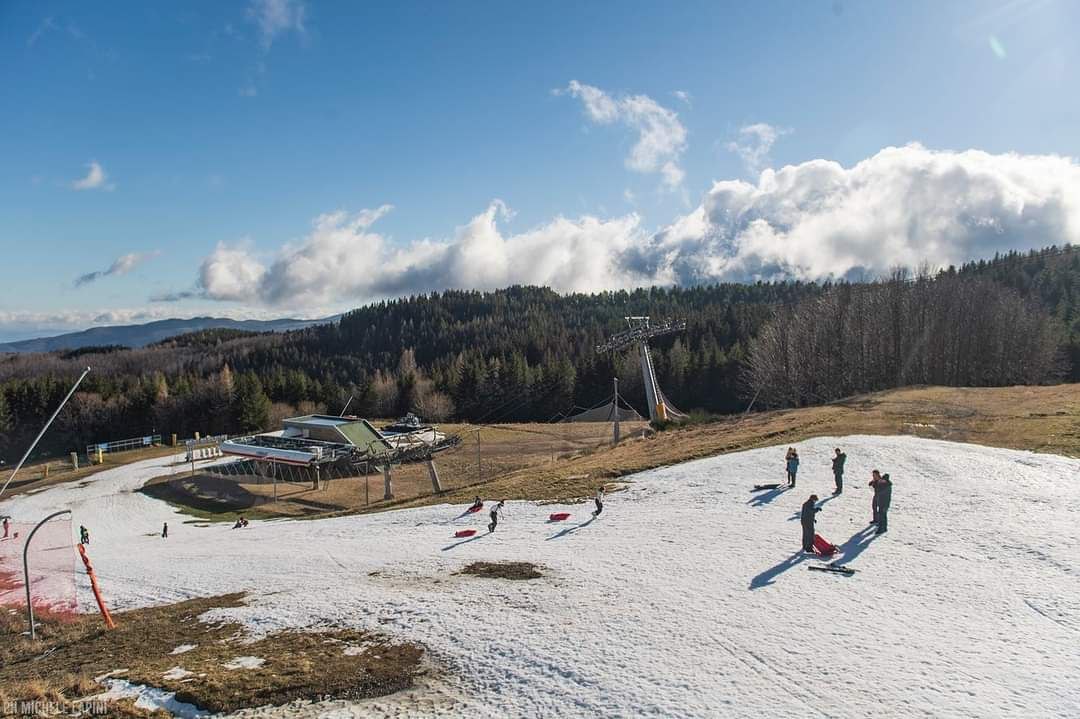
528,354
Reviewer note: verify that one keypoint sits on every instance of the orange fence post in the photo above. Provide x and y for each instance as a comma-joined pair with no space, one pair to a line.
94,586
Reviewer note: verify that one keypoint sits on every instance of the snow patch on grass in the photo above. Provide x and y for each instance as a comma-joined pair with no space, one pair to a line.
183,648
150,698
177,672
244,663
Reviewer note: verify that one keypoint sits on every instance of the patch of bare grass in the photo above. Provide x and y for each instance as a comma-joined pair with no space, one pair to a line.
503,570
339,663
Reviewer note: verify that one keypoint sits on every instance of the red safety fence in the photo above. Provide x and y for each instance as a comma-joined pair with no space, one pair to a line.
53,562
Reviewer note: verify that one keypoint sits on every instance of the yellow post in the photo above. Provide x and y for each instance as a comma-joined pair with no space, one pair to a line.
100,456
174,439
661,412
196,436
45,472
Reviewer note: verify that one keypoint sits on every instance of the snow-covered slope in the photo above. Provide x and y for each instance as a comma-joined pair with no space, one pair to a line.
687,597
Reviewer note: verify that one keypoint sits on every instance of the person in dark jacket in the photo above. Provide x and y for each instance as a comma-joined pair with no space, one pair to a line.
792,465
165,530
883,498
807,517
84,534
875,477
599,500
838,470
495,516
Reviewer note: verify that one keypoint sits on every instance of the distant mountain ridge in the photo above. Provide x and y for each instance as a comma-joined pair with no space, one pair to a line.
145,334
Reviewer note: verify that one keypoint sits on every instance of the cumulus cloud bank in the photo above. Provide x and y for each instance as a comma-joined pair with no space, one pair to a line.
121,266
815,220
661,137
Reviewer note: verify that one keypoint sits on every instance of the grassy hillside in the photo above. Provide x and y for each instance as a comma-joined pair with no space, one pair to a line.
568,462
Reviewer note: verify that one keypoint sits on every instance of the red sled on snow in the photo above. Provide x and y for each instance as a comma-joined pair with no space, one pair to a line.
558,516
823,547
471,510
464,533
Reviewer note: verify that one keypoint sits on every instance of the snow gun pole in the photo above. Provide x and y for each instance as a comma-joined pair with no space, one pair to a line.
42,432
26,566
94,586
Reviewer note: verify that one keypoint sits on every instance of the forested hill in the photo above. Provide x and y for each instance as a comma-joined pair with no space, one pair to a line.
522,353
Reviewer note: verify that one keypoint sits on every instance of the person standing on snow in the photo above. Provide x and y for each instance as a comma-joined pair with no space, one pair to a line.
875,477
84,534
599,499
882,500
838,470
7,527
792,465
495,515
165,530
808,517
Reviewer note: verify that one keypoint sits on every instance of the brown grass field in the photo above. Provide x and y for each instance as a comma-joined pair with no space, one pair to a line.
61,666
567,462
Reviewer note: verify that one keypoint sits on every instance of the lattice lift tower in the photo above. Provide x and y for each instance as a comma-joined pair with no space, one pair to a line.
638,333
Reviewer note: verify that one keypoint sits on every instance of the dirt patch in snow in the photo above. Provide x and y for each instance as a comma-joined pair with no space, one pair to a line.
293,665
503,570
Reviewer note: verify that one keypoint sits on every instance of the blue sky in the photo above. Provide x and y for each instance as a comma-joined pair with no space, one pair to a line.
182,153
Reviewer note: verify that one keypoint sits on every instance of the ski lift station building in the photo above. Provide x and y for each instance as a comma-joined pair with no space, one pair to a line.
311,439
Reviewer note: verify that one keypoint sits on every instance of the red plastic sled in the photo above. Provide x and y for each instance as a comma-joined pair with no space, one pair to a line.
558,516
465,533
470,510
824,547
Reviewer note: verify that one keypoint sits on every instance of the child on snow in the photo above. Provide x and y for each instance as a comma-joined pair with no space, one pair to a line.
84,534
165,530
477,503
792,465
599,500
495,515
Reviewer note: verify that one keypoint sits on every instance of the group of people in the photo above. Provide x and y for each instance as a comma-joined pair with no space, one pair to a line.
880,483
478,503
241,522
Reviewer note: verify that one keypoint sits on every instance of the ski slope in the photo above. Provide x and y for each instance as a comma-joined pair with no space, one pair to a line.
686,598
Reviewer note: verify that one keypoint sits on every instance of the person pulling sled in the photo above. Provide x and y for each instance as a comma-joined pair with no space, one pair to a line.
807,517
477,504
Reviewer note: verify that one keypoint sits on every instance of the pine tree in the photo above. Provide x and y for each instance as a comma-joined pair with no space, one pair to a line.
252,406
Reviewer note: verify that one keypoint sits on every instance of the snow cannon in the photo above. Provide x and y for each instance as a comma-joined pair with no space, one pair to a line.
558,516
464,533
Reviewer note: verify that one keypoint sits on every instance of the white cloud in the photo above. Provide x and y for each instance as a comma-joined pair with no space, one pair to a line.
903,206
661,137
277,17
342,258
121,266
754,143
815,220
95,179
684,96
